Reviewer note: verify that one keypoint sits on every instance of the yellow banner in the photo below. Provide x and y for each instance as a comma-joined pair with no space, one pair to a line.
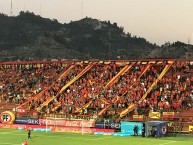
190,127
154,115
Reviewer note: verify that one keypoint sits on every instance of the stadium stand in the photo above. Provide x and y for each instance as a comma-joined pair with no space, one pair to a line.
102,89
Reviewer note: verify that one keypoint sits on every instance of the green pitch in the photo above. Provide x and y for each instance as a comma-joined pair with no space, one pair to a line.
15,137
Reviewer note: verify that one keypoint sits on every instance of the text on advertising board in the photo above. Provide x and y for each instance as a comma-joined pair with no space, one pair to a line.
111,125
71,123
26,121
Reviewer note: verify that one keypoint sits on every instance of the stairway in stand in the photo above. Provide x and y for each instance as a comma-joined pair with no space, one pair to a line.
133,106
65,87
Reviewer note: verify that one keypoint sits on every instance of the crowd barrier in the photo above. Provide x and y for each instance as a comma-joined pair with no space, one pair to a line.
63,125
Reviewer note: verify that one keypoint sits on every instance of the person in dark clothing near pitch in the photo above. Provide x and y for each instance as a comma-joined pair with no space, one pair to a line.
29,133
135,130
143,131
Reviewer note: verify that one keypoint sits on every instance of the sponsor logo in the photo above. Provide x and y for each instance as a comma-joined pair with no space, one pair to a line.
115,125
107,125
164,129
7,117
69,123
26,121
32,121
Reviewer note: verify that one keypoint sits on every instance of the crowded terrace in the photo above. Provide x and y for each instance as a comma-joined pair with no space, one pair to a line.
104,86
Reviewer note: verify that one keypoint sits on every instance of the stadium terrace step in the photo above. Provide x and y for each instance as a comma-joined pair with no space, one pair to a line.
7,106
185,116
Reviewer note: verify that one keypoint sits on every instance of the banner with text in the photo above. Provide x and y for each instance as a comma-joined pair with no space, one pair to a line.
108,125
26,121
138,117
56,128
154,115
190,128
19,110
70,123
79,130
168,114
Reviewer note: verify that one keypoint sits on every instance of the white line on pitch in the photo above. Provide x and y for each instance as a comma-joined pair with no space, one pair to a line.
167,143
64,137
8,143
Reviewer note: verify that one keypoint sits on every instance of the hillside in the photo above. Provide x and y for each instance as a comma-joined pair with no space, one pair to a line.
28,36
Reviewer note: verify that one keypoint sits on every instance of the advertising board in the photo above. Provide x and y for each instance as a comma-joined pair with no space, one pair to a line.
26,121
107,125
127,127
67,123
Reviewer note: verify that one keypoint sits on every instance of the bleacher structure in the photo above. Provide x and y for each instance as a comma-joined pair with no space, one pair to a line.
120,89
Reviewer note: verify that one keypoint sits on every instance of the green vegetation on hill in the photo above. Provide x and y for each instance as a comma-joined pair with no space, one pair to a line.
29,36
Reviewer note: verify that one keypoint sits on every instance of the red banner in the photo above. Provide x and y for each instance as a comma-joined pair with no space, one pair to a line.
21,125
138,117
168,114
20,110
59,128
67,123
79,130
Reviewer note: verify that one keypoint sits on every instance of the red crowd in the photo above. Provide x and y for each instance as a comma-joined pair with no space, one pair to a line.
174,91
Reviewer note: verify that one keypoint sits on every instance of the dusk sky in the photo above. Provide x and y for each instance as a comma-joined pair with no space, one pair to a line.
158,21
